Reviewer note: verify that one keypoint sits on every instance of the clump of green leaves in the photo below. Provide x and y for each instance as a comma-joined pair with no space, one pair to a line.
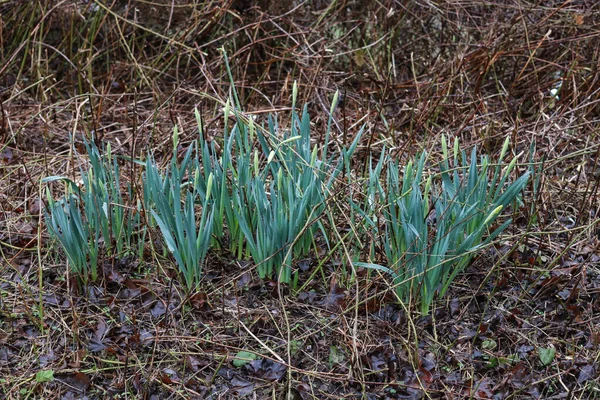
95,217
433,228
275,202
263,195
183,210
279,190
67,224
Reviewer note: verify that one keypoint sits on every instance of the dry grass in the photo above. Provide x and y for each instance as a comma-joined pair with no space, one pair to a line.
410,71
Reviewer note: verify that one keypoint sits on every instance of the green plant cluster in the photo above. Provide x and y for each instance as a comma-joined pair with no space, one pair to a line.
93,217
432,228
263,193
172,201
267,187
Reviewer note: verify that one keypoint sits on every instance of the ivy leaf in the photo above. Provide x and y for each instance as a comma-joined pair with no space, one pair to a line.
242,358
546,355
44,376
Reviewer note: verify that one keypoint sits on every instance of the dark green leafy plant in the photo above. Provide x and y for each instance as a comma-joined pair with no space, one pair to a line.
95,217
269,187
278,203
186,230
274,204
425,253
79,242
